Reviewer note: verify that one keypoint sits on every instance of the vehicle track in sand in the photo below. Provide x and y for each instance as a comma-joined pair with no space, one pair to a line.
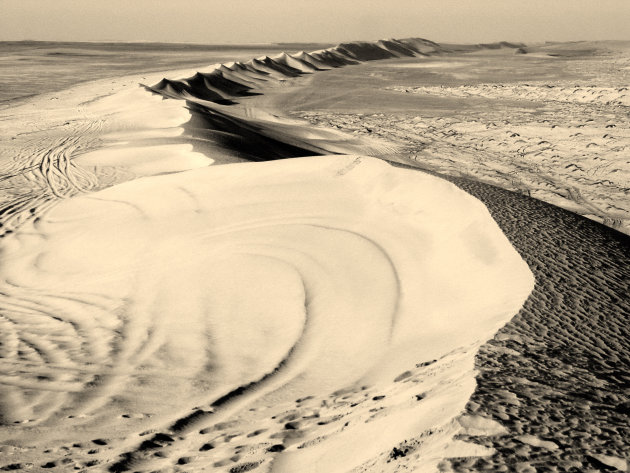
321,321
37,170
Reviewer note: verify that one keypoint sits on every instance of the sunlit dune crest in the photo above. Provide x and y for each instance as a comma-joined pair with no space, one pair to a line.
329,273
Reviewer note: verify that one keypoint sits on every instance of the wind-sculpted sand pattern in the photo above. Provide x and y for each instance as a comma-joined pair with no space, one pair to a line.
47,139
231,81
149,314
220,100
315,314
557,375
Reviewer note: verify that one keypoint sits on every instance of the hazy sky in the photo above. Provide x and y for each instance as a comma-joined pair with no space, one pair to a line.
241,21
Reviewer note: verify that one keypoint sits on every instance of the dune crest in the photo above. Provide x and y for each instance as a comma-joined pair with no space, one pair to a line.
325,311
330,273
228,82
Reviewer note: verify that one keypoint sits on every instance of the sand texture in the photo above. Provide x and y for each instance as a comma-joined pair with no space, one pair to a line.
54,66
553,126
178,294
557,375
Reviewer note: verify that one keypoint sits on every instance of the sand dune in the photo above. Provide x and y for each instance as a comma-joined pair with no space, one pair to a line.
552,127
162,308
105,317
284,66
324,313
295,62
556,374
312,60
225,119
266,70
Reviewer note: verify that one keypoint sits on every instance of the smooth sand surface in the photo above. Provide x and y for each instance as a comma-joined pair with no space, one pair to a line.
330,273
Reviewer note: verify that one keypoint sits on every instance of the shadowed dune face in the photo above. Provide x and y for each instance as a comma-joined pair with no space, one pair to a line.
227,122
245,138
556,375
540,122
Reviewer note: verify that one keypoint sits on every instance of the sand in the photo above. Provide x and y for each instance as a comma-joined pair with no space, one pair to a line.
169,306
556,375
30,68
552,126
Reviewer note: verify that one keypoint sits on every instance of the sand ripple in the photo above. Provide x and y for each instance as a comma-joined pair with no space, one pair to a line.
175,302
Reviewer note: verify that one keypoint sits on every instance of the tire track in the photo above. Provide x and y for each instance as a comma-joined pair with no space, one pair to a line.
36,175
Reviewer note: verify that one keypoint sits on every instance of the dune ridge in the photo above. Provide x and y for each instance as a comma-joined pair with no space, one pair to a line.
237,79
556,375
272,240
224,122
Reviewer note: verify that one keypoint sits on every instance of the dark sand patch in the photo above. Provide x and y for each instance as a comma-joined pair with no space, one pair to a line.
565,358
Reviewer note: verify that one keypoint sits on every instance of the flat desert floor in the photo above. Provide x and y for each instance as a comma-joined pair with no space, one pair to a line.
375,257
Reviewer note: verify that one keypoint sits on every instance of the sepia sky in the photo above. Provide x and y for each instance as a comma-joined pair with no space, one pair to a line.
261,21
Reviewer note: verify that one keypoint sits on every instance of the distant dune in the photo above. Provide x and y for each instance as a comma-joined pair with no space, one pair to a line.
237,79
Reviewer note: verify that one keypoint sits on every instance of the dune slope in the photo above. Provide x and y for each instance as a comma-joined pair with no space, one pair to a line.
556,375
174,302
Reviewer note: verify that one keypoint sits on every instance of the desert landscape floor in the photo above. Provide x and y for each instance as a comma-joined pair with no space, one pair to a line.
552,124
166,304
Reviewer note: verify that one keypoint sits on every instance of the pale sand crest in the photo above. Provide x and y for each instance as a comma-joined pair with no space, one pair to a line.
356,273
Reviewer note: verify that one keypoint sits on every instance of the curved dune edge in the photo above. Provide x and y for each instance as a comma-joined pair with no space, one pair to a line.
218,99
226,83
139,299
552,375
